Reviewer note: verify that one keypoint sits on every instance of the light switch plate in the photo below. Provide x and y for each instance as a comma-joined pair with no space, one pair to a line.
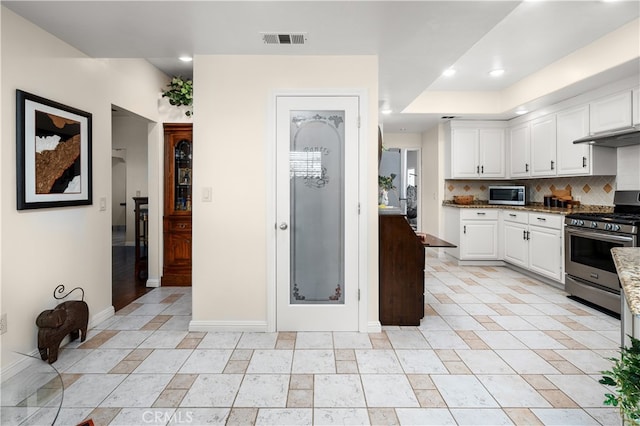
206,194
103,204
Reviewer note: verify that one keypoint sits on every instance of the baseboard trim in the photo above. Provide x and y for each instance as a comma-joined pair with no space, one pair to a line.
17,366
374,327
153,282
244,326
101,316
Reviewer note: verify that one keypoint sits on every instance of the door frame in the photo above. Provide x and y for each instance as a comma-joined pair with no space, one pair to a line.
270,225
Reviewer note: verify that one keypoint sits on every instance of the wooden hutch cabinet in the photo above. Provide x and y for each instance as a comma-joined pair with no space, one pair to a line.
178,143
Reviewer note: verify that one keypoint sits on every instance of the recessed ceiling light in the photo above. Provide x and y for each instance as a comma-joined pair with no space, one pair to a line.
386,111
449,72
496,72
186,58
521,111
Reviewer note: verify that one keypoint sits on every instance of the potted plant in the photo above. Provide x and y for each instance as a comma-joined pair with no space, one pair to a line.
179,93
625,376
385,184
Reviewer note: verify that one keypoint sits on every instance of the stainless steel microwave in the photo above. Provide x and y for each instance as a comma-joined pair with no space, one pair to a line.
514,195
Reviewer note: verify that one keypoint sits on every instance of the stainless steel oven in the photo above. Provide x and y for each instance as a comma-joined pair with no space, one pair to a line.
589,237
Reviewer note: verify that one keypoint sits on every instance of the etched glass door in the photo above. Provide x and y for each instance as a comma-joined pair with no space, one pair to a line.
317,239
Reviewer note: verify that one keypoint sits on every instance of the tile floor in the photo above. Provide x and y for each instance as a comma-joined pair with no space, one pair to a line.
495,347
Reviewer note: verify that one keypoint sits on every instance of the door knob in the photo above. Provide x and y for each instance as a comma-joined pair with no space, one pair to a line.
283,226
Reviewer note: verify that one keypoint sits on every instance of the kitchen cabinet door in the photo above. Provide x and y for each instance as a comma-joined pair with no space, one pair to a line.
479,240
573,159
635,108
520,151
545,251
516,246
491,149
543,146
464,152
610,113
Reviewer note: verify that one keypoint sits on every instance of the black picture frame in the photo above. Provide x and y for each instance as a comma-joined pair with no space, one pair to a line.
53,154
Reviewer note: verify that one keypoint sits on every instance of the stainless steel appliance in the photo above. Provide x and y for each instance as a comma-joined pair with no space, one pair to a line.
589,237
515,195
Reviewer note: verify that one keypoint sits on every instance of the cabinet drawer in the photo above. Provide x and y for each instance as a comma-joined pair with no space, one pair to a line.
178,225
553,221
515,216
479,214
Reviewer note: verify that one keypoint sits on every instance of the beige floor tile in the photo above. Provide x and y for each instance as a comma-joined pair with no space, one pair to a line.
161,318
557,398
151,326
301,381
170,398
476,344
345,355
447,355
576,326
182,381
236,367
129,308
522,416
383,416
457,367
572,344
549,355
287,335
68,379
103,416
188,343
565,367
429,311
242,416
381,344
285,343
242,355
98,340
493,326
125,367
346,367
196,335
300,398
538,381
430,398
421,381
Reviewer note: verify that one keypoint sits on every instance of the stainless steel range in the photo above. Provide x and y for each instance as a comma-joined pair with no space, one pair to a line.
589,237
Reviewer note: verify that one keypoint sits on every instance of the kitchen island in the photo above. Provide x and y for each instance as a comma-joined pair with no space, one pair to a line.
627,261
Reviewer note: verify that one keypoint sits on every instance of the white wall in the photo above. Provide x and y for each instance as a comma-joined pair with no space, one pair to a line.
130,134
46,247
231,234
432,178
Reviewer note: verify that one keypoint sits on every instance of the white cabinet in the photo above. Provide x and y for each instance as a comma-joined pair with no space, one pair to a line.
516,248
476,150
610,113
473,231
479,234
534,241
543,146
520,151
584,158
573,159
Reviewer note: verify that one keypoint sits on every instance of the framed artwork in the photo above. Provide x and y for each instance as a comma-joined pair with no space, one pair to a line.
53,153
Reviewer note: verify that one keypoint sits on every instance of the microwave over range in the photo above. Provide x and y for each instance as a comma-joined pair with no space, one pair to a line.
514,195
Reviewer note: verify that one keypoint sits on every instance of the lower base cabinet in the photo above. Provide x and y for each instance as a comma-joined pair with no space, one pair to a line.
401,272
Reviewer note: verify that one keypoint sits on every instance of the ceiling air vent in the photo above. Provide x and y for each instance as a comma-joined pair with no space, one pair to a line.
284,38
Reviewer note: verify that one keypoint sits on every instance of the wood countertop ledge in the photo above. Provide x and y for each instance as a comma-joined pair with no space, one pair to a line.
627,261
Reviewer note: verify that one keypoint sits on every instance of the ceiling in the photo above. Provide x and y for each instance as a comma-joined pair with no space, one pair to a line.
414,40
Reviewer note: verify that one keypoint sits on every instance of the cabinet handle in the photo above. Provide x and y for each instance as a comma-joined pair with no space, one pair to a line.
478,169
553,163
481,169
480,213
512,214
542,219
526,167
182,226
528,235
524,234
464,229
584,161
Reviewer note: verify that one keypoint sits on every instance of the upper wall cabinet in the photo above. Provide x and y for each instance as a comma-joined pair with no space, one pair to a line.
543,146
520,151
475,150
610,113
580,159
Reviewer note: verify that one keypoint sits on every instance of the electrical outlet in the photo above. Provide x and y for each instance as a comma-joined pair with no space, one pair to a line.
3,323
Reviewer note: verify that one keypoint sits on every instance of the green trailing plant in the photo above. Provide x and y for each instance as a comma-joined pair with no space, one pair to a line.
179,93
386,182
625,377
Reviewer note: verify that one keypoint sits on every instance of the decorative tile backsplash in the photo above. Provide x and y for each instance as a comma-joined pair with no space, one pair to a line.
591,190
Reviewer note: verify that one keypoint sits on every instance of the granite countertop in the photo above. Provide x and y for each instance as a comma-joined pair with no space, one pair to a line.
535,207
627,260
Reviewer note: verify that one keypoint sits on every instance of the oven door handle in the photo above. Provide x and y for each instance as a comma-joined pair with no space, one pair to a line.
599,235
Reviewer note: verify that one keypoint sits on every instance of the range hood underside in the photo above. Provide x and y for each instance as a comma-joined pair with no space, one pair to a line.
624,137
